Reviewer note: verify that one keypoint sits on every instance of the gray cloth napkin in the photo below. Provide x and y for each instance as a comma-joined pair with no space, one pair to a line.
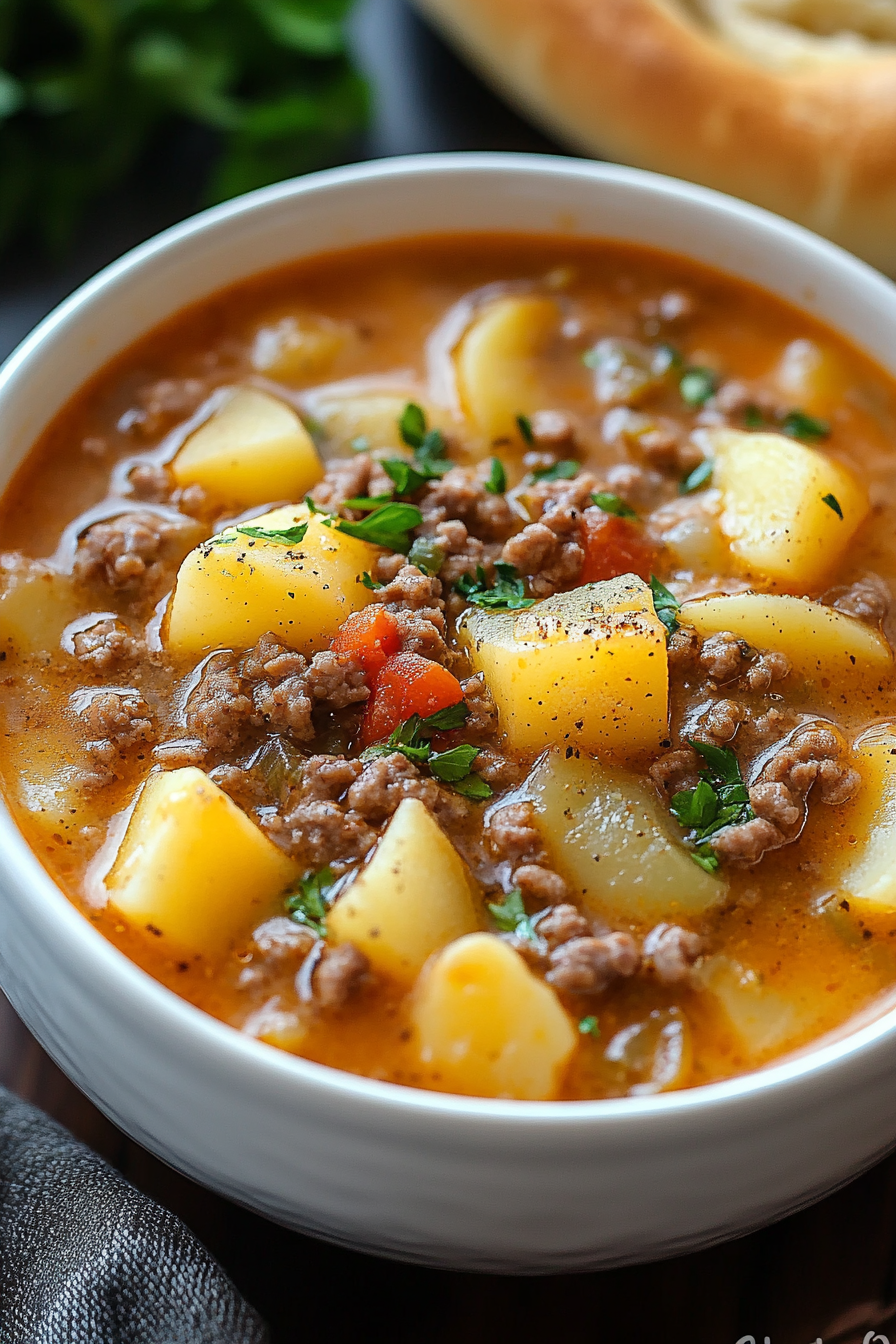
87,1259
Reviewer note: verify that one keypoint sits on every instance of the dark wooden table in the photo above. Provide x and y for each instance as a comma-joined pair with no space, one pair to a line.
828,1273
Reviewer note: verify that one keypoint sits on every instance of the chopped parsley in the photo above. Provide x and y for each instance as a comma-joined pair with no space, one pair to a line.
427,555
388,525
833,503
665,604
701,475
753,417
588,1026
720,799
507,593
428,444
368,581
366,502
309,905
610,503
453,767
412,425
287,536
510,916
404,475
497,478
563,470
799,425
524,424
696,386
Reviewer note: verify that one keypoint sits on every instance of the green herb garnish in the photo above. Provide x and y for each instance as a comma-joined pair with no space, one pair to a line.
720,799
799,425
427,555
753,417
507,593
588,1026
564,470
524,425
497,478
287,536
407,479
87,87
833,503
611,503
701,475
309,905
389,526
366,502
368,581
453,767
412,425
428,445
665,604
510,916
696,386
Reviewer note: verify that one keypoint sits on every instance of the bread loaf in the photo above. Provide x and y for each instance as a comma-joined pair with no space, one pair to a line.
787,103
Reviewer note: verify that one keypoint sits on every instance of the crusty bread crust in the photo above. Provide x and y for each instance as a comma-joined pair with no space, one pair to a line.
641,82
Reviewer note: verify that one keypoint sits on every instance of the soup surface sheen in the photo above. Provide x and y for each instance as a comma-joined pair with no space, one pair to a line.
467,662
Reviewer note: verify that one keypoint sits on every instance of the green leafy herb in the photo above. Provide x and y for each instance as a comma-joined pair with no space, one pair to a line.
524,424
88,85
428,445
720,799
370,582
564,470
287,536
453,766
588,1026
753,417
387,526
405,475
799,425
366,502
412,425
309,905
507,593
611,503
427,555
510,916
697,386
833,503
665,604
497,478
701,474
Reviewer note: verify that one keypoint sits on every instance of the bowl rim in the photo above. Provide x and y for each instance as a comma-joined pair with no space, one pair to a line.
93,954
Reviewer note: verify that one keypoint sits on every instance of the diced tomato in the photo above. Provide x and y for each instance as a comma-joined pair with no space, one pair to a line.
370,636
614,546
407,684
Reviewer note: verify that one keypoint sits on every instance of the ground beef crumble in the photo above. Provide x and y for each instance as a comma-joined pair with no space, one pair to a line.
124,552
107,645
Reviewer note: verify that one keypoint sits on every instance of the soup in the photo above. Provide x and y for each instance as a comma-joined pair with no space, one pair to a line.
466,662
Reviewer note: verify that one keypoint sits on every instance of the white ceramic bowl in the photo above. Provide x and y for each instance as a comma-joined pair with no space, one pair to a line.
451,1181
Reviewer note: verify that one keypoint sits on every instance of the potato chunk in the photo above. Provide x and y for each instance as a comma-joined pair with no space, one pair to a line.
35,607
412,897
192,867
813,378
231,592
762,1019
819,641
487,1026
372,416
496,364
773,506
871,876
587,667
614,843
299,347
254,449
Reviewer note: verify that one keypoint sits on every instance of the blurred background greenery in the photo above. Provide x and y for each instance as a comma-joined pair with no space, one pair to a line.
87,85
